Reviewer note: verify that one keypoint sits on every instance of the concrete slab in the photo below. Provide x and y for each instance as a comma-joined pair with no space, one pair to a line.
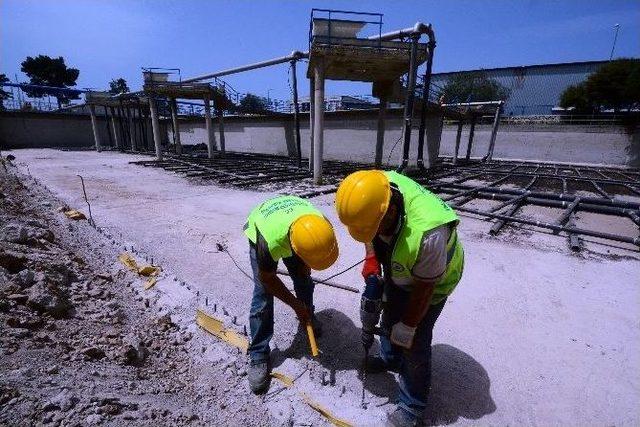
533,335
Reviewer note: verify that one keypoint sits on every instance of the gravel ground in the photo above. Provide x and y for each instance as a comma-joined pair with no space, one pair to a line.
84,344
534,334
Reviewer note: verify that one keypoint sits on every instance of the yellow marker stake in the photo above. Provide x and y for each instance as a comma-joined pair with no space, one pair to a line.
312,340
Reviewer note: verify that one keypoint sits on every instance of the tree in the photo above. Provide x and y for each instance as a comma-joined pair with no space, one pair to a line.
473,86
46,71
615,85
252,104
4,94
117,86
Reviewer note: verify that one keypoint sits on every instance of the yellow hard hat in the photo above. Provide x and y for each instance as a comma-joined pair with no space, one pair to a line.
361,201
313,240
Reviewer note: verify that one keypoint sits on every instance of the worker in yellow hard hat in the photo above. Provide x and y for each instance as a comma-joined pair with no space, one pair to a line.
414,258
291,229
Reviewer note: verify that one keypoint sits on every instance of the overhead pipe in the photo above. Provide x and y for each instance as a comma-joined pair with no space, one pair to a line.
294,56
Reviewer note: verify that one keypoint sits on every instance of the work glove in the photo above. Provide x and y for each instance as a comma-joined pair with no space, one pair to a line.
402,335
371,266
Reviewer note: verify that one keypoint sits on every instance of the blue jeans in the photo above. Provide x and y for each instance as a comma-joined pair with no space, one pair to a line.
261,313
414,364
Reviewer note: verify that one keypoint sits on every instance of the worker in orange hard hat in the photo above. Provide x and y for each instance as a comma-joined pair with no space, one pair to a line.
291,229
415,259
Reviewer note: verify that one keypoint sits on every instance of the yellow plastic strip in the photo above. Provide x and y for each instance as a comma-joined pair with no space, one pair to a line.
312,340
74,214
149,270
150,283
216,327
287,381
325,413
128,261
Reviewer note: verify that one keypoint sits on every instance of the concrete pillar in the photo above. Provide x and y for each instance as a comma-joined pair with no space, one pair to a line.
116,139
494,132
318,122
312,83
176,125
132,138
155,124
221,129
94,126
472,130
211,138
457,149
382,112
296,114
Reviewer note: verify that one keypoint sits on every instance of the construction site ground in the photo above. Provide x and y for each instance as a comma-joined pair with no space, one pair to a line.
534,334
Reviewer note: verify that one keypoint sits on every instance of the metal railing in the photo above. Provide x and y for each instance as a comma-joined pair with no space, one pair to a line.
329,15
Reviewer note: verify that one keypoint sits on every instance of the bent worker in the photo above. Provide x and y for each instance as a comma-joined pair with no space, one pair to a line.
291,229
413,234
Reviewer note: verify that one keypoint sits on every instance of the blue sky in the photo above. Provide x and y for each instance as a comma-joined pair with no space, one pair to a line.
113,38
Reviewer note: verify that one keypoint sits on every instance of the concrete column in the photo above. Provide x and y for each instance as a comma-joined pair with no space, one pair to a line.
382,112
155,124
132,138
176,125
494,132
94,126
221,129
311,109
457,149
296,113
211,138
318,122
116,140
472,130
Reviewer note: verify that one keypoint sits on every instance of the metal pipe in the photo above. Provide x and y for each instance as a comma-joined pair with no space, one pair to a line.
426,84
457,148
408,106
418,29
494,131
94,126
575,230
312,84
221,130
472,130
296,113
295,55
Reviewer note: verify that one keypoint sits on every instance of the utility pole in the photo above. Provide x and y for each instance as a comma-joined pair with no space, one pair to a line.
615,38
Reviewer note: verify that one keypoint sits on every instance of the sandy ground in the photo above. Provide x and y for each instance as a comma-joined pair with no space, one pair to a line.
534,334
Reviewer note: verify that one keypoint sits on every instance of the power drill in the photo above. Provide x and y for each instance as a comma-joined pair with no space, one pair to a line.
370,308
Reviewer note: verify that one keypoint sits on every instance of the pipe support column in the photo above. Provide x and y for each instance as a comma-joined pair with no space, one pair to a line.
311,120
155,124
458,137
176,125
382,112
211,138
318,122
494,131
94,126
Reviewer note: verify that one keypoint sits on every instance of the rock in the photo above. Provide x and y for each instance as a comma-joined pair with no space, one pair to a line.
93,353
63,401
12,261
93,419
53,369
18,298
25,278
44,299
14,233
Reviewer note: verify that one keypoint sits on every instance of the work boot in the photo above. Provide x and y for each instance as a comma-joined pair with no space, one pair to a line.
259,377
402,418
376,365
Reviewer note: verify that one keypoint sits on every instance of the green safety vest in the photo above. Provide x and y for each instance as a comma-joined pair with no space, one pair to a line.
274,218
424,211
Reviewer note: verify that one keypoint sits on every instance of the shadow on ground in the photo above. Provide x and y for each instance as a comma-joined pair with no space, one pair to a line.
460,386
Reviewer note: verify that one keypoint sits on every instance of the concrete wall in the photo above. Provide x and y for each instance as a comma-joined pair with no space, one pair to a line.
40,130
349,135
611,145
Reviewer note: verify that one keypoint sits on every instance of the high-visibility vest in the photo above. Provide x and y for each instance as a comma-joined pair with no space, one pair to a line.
424,211
273,218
